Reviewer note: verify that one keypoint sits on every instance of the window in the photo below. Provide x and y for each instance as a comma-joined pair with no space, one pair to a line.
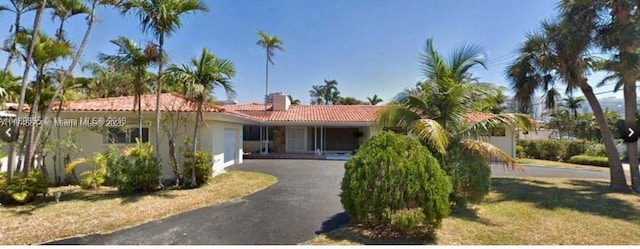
126,135
252,133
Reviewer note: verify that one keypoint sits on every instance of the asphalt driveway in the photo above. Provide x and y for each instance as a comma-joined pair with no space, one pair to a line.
289,212
305,200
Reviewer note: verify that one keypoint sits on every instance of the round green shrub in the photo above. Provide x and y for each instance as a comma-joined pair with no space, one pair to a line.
470,177
135,169
390,179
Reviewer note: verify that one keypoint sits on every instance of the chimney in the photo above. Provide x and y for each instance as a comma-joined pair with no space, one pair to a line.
281,102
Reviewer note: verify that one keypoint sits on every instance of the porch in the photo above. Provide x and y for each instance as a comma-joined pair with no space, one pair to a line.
303,142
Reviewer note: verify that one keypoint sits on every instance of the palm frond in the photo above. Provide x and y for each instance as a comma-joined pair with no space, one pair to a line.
517,121
431,133
489,153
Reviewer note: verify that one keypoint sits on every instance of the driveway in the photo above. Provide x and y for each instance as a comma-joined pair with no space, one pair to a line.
289,212
303,201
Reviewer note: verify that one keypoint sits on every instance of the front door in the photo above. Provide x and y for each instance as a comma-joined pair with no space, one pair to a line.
296,139
229,146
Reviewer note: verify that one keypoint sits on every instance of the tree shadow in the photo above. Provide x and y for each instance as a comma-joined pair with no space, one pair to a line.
470,214
80,195
339,228
579,195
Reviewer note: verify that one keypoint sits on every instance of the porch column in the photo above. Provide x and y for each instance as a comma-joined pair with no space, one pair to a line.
266,130
260,140
321,145
315,139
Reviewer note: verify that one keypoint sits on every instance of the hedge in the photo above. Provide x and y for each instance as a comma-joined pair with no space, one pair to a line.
554,150
590,160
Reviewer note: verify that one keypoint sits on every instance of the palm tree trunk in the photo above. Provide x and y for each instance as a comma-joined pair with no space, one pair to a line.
266,82
23,88
195,143
618,181
630,105
174,160
69,70
30,140
16,30
266,95
158,92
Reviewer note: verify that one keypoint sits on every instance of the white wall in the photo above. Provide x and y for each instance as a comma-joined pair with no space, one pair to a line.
88,142
506,143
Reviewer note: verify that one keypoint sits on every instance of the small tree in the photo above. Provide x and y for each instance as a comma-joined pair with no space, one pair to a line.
394,180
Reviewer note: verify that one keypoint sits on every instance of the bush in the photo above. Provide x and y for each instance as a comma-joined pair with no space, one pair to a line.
389,179
136,170
521,152
25,188
574,148
554,150
470,177
590,160
202,161
596,150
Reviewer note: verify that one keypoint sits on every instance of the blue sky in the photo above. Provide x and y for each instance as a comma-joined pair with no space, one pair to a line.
370,47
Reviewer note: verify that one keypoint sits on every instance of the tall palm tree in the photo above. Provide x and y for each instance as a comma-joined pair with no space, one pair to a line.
374,100
46,52
317,95
23,86
293,101
132,58
331,93
65,9
270,44
162,18
18,8
202,76
439,110
573,104
9,86
616,29
559,52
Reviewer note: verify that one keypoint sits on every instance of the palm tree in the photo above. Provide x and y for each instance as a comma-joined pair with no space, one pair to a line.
65,9
573,104
18,8
201,77
136,60
374,100
9,87
23,86
317,95
270,45
294,101
437,110
559,53
162,18
46,51
331,93
616,28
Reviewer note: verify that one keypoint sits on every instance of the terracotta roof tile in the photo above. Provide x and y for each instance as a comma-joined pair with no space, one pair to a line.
311,113
168,102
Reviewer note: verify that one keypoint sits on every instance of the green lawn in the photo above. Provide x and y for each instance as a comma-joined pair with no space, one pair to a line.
539,162
87,211
526,211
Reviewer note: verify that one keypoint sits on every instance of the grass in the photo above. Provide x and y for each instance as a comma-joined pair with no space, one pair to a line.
539,211
539,162
86,211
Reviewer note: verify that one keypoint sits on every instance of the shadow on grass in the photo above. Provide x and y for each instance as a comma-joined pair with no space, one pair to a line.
338,228
579,195
81,195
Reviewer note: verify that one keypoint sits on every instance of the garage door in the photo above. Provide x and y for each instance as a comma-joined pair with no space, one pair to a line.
229,146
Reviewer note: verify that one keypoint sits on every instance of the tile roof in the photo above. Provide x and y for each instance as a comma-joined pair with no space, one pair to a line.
311,113
475,117
168,102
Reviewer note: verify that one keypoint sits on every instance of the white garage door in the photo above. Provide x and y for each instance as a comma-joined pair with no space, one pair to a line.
229,146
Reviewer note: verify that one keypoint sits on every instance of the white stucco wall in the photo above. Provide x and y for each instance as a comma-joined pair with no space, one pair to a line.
88,142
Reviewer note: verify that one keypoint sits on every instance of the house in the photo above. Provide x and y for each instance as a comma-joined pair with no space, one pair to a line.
84,127
328,129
